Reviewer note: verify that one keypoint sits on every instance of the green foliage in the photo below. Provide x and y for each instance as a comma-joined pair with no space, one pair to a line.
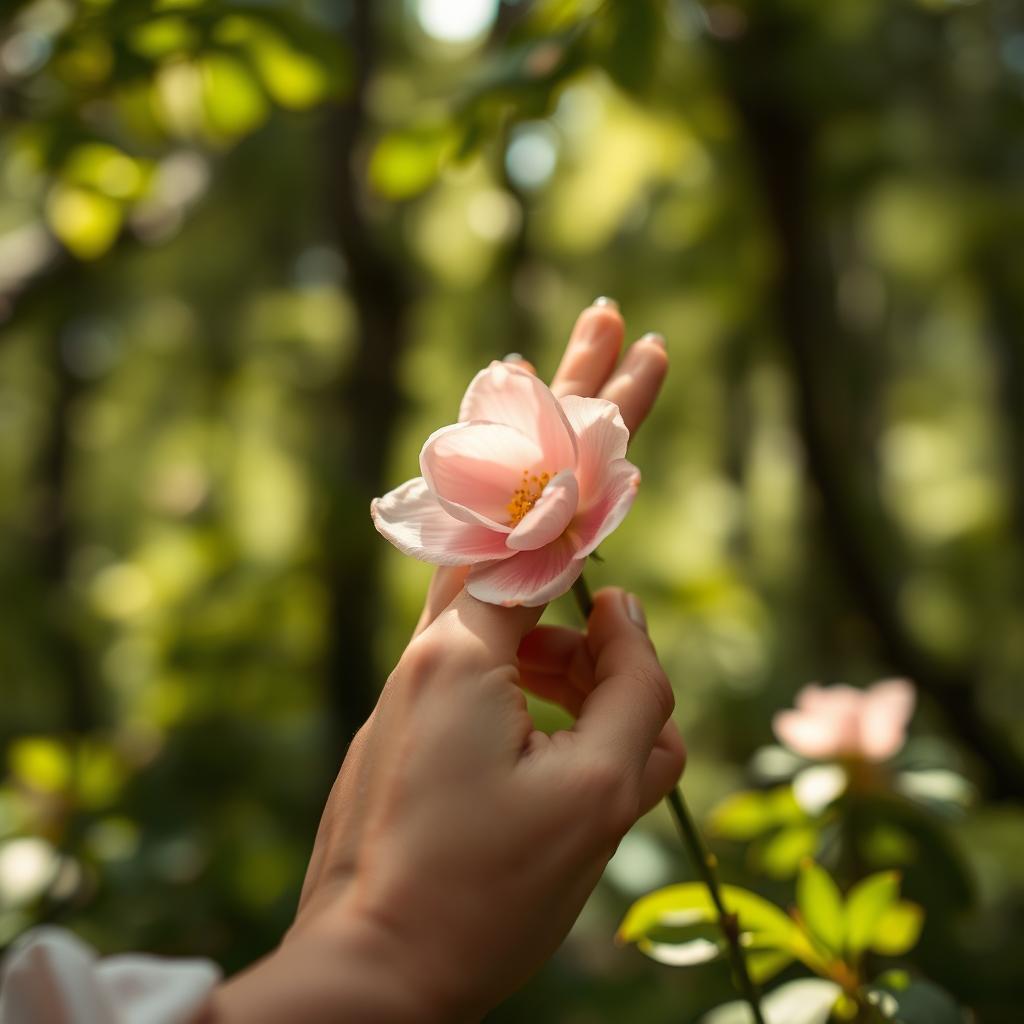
238,286
821,907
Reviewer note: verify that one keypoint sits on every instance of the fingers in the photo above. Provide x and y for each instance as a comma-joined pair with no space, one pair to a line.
555,664
592,351
632,699
634,386
664,766
444,587
472,636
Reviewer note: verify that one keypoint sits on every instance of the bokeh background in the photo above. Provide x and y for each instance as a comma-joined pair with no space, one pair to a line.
250,255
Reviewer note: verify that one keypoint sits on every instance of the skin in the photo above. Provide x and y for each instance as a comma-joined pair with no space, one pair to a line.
459,844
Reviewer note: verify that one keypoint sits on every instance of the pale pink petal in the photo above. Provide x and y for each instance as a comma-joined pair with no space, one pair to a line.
888,707
831,700
413,520
601,438
550,515
805,734
529,578
608,506
510,395
474,469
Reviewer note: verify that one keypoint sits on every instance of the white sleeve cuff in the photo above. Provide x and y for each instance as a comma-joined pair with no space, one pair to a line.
51,977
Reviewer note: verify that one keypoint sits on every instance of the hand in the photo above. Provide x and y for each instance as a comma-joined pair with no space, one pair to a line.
458,844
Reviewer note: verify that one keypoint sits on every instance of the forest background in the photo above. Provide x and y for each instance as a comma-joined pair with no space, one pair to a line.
250,255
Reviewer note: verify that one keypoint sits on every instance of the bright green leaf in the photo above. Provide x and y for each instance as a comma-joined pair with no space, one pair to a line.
234,102
85,221
780,855
748,814
821,905
898,929
406,163
40,763
867,902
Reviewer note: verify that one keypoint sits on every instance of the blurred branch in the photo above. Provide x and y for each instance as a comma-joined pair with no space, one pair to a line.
855,527
370,401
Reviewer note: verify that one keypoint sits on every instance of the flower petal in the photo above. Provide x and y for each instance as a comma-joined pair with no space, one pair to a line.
550,515
888,707
601,438
507,394
413,520
608,506
528,578
806,734
474,470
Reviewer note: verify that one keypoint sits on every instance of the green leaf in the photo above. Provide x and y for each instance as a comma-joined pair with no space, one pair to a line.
867,902
821,905
404,164
780,855
681,914
749,814
898,929
85,221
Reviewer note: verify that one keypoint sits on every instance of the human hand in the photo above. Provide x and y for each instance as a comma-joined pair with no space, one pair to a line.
458,844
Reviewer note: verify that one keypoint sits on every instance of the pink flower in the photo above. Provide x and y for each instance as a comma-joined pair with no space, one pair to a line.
521,489
839,722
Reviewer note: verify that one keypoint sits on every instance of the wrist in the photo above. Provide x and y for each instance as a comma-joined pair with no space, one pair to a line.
349,971
388,968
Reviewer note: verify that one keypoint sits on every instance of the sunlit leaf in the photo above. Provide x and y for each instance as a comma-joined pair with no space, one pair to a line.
105,169
866,904
234,102
748,814
85,221
780,855
686,910
821,905
403,164
41,763
162,37
898,929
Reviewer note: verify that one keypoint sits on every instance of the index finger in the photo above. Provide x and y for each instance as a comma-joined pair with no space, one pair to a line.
476,636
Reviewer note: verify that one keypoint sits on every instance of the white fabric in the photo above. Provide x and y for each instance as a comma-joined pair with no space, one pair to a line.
51,977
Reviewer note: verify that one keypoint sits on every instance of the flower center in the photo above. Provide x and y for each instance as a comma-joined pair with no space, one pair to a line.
526,495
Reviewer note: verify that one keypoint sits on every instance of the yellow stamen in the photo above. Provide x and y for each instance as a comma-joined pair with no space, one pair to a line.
526,495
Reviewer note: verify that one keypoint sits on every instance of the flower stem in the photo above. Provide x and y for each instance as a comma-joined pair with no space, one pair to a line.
704,860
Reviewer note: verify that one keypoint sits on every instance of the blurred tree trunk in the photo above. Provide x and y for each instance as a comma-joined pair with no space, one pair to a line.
861,541
367,403
52,527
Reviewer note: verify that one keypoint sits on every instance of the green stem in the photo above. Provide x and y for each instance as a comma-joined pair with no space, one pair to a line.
704,860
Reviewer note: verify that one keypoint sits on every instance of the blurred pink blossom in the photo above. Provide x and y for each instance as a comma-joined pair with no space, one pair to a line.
840,722
521,489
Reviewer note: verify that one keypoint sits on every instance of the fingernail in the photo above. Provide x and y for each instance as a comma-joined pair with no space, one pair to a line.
654,336
605,303
635,611
513,357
